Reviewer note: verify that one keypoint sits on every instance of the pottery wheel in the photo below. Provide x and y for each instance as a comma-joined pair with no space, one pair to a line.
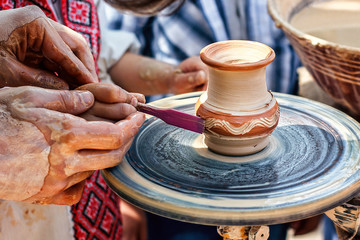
311,165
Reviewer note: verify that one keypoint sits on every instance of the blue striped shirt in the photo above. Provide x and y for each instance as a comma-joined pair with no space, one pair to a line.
201,22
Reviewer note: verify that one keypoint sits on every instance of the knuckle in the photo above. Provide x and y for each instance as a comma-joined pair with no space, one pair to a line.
25,94
82,43
34,9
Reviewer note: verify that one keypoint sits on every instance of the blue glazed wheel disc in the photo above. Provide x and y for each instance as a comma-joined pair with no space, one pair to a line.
310,165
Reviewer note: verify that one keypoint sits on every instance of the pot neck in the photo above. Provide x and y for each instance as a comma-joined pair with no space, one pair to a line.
238,90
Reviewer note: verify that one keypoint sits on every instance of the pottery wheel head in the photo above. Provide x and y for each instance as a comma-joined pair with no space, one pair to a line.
310,165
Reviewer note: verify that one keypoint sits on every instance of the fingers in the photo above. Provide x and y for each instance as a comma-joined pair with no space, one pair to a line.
80,166
36,107
188,82
90,159
200,78
90,117
113,102
56,50
68,197
73,102
13,73
77,177
192,76
74,132
110,93
15,18
114,111
29,34
140,97
78,46
102,135
96,159
192,64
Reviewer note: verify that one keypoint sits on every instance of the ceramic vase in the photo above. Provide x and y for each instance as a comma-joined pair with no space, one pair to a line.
239,111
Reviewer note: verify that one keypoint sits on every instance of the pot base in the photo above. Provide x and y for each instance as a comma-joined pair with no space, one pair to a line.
234,145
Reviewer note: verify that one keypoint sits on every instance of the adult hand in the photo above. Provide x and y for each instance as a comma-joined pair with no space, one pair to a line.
111,102
190,75
47,152
37,51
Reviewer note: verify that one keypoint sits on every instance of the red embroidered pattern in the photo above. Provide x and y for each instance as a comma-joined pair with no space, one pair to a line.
8,4
79,12
97,215
11,4
81,16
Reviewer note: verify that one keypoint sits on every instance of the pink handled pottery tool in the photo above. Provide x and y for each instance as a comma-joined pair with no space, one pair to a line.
174,117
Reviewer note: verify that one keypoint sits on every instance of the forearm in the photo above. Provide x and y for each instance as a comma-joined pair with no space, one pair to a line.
144,75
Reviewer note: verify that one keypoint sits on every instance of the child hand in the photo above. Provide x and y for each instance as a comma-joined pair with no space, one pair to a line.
190,75
111,102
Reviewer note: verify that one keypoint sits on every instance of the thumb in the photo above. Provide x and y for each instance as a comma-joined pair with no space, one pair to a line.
22,75
73,102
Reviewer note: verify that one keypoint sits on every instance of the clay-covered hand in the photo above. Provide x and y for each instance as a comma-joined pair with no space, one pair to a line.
134,222
189,76
112,103
37,51
47,152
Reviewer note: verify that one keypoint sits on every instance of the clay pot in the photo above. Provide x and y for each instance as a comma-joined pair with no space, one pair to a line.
324,34
239,112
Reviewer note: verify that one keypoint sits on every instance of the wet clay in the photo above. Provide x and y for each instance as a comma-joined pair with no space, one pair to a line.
239,111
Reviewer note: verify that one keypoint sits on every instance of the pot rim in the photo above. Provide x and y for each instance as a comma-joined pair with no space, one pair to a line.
287,27
207,52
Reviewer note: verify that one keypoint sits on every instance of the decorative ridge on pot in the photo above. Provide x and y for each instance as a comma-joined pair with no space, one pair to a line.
239,111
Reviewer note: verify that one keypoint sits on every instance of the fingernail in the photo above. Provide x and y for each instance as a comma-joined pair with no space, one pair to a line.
134,102
86,97
141,117
177,71
143,99
201,75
